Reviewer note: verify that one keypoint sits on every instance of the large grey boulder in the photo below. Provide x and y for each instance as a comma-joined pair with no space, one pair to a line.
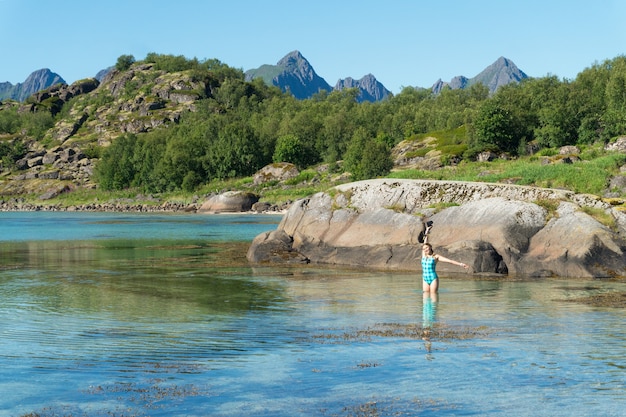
279,171
229,202
574,244
495,228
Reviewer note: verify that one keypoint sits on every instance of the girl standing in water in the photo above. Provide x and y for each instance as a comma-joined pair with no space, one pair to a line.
430,280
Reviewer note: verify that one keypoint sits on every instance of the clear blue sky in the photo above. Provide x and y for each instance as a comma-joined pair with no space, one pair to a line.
401,42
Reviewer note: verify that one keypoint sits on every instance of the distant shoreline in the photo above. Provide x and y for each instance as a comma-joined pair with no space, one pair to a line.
101,207
167,207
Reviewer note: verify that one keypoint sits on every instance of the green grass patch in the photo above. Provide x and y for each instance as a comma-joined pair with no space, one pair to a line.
398,208
82,196
449,142
455,149
588,177
445,137
421,152
601,216
442,206
304,176
283,195
550,205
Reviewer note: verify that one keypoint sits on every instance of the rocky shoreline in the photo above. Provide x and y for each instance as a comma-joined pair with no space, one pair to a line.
125,207
101,207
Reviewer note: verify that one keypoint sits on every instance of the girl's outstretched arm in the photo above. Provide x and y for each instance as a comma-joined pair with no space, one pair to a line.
450,261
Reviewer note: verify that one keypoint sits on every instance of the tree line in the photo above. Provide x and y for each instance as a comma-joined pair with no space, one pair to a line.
238,126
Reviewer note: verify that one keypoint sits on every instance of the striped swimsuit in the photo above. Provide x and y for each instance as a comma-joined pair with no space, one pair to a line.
428,269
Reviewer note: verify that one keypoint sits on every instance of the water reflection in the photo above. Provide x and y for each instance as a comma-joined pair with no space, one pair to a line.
136,279
429,309
429,317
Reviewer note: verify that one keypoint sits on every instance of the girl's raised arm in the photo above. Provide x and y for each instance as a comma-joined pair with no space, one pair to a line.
450,261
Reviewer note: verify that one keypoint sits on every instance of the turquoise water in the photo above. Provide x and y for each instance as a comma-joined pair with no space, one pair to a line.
161,315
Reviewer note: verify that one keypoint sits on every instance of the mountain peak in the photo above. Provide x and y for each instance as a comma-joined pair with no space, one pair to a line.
370,88
503,71
292,74
36,81
293,57
503,61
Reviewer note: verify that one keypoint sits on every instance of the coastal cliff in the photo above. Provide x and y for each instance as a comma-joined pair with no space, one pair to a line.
494,228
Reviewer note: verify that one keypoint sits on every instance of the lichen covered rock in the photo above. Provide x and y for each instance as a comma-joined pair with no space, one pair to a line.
494,228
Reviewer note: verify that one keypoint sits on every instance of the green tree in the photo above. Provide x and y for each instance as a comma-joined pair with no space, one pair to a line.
376,160
124,62
149,154
182,161
354,154
615,115
367,157
494,129
37,123
304,122
116,170
171,63
588,98
289,148
235,152
557,123
231,93
10,152
9,121
222,71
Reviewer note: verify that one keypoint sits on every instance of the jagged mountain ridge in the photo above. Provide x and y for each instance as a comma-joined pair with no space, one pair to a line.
36,81
294,74
502,72
370,88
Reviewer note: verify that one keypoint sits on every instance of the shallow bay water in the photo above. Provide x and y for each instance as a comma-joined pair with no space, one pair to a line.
161,315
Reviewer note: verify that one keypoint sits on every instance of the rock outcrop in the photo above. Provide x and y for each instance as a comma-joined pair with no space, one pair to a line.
279,171
229,202
495,228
